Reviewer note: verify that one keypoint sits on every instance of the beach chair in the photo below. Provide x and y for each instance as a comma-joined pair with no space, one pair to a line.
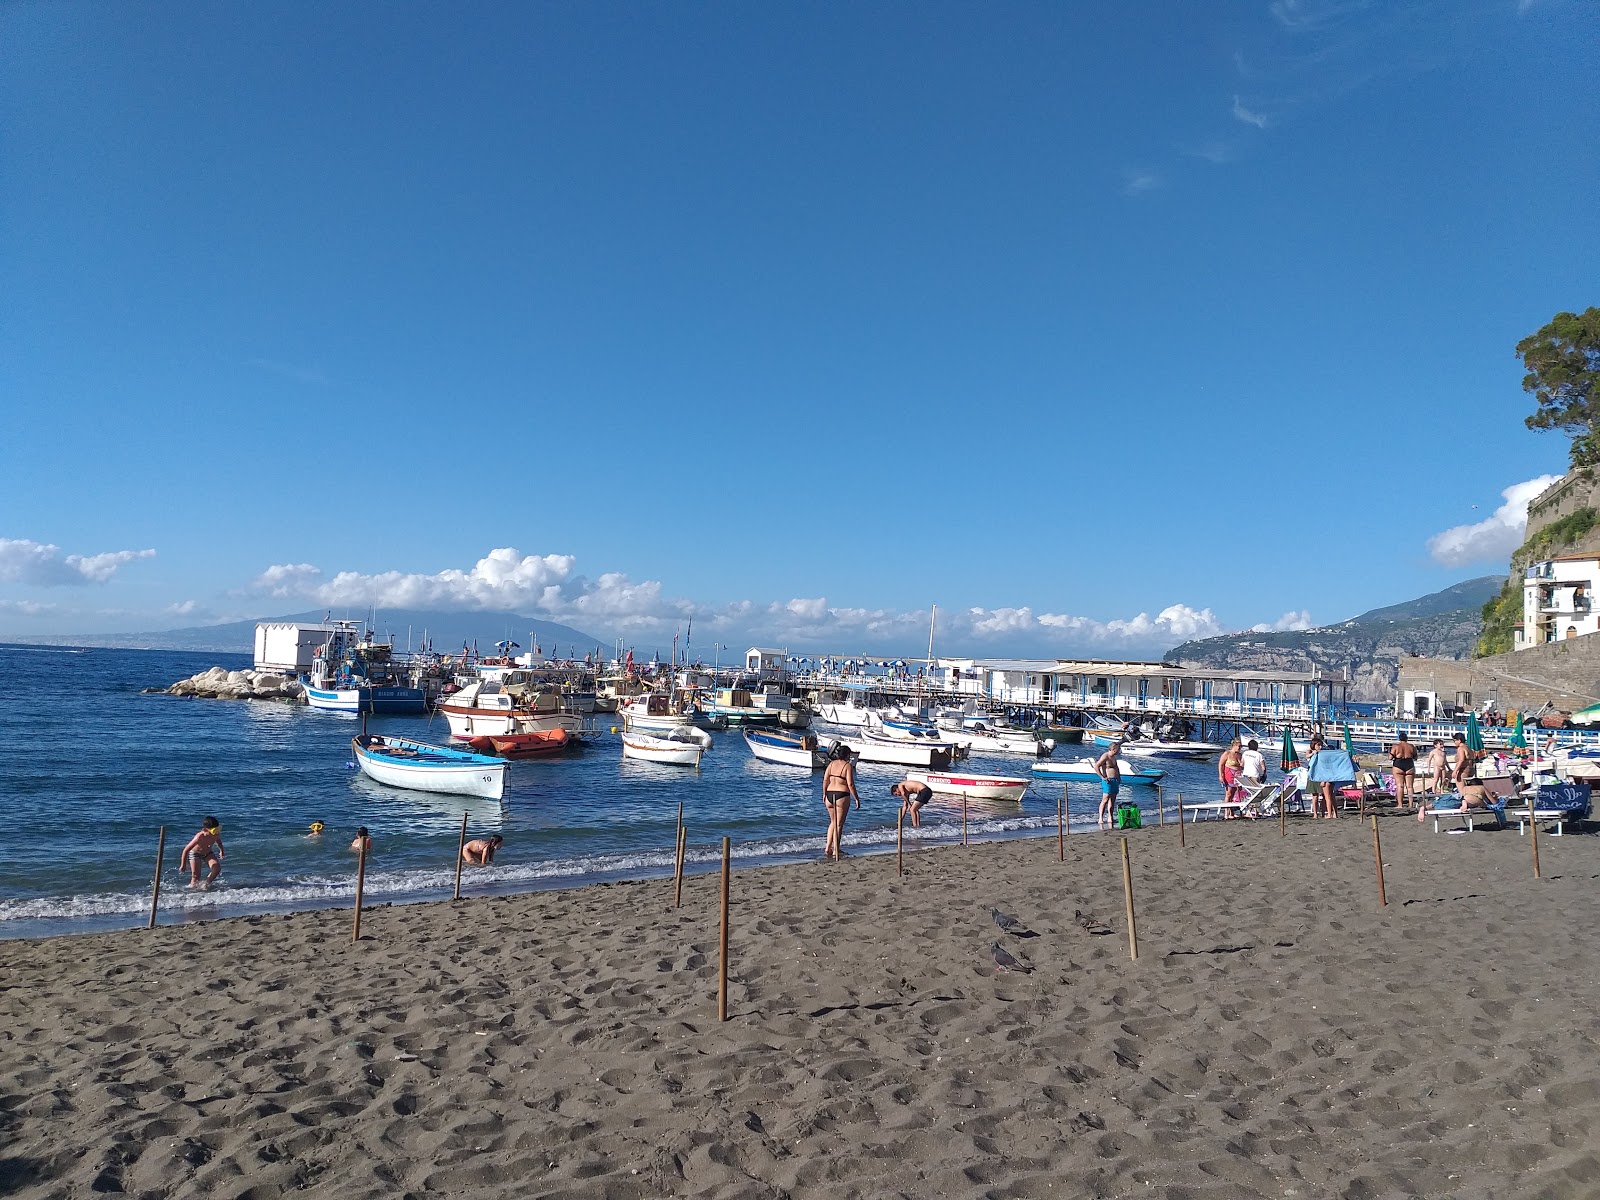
1259,799
1449,805
1563,804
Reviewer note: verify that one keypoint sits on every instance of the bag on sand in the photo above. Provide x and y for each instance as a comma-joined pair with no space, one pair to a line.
1126,817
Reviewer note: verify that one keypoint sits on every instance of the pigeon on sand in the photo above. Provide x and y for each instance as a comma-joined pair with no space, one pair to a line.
1003,961
1005,920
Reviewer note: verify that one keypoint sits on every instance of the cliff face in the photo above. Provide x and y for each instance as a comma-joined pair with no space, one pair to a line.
1442,624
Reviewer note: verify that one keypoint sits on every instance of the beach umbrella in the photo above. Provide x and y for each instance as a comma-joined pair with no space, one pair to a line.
507,646
1348,748
1290,760
1474,734
1584,716
1517,740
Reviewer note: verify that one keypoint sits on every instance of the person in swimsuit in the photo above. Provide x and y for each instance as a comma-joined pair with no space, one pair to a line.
1466,762
479,852
1438,768
206,844
913,795
1110,772
362,841
1404,757
1228,767
838,789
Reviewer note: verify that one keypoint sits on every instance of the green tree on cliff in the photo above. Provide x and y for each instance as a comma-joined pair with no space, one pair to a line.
1563,362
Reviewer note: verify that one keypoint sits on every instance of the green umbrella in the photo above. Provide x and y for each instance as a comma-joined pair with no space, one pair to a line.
1348,748
1474,734
1290,759
1516,739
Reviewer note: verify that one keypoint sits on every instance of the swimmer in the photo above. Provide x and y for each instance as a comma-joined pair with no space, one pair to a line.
479,852
316,829
206,844
363,841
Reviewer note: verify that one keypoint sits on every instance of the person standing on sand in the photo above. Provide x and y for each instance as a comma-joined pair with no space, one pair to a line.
479,852
913,795
1403,755
1438,768
1465,762
838,789
206,844
1252,763
1110,772
1228,770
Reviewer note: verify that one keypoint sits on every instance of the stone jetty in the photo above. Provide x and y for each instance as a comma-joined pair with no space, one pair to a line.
224,684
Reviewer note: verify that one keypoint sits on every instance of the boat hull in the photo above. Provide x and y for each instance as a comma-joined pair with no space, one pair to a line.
974,787
645,748
933,755
383,701
421,767
469,722
1084,769
789,751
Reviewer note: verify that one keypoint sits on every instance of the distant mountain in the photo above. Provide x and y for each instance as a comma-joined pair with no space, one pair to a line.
447,631
1442,624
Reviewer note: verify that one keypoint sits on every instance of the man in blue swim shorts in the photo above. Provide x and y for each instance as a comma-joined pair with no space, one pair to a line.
1110,772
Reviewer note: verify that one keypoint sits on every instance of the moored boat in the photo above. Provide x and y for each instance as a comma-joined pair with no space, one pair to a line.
352,673
522,745
503,708
681,746
791,749
1084,769
736,706
658,713
974,787
874,747
1143,748
424,767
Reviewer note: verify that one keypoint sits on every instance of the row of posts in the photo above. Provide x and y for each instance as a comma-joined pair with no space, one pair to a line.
680,844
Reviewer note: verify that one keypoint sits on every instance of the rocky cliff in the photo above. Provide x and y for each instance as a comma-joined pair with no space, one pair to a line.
1443,624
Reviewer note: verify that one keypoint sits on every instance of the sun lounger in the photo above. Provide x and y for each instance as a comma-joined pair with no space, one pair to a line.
1452,808
1563,803
1216,808
1259,799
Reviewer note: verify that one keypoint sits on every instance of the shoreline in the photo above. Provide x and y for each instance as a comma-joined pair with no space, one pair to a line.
1278,1033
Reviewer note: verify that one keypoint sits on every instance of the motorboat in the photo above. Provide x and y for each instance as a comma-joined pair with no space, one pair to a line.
680,746
1084,769
974,787
736,706
874,747
424,767
522,745
504,707
791,749
984,738
1155,748
657,712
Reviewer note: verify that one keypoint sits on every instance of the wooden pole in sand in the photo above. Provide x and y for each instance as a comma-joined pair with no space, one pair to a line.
361,886
1127,893
722,964
1283,803
1533,831
1061,826
1377,853
155,888
1180,820
899,844
461,853
683,842
963,818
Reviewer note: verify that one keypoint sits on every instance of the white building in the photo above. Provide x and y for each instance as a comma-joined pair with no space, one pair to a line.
765,663
1558,600
289,646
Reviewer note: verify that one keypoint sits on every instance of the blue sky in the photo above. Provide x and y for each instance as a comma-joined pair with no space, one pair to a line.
1101,326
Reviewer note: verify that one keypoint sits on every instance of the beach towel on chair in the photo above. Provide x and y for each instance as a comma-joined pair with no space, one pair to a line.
1569,799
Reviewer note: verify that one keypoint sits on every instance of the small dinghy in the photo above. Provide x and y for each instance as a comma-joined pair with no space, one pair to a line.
682,746
523,745
791,749
1084,769
424,767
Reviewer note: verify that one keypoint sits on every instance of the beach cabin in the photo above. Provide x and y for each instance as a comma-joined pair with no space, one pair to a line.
1558,601
290,646
766,664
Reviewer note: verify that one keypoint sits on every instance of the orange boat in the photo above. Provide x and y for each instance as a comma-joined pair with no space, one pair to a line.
521,745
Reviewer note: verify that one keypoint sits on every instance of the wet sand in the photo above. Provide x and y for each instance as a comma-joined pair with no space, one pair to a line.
1279,1035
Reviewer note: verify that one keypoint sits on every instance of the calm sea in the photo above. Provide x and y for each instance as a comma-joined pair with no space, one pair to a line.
94,766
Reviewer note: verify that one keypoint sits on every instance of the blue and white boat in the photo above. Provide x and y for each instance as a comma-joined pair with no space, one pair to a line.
791,749
424,767
1084,769
351,673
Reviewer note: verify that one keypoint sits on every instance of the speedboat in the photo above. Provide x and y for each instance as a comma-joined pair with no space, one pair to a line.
999,739
974,787
1084,769
681,746
875,747
423,767
791,749
1154,748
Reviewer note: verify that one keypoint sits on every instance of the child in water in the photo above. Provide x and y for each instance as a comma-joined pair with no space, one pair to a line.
206,844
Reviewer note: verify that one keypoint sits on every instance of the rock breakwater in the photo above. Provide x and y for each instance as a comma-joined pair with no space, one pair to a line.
223,684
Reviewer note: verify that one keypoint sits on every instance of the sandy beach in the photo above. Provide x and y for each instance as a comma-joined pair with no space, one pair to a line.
1279,1035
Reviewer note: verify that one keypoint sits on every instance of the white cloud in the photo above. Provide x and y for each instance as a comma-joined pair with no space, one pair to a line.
1300,16
1494,537
184,608
1248,116
1138,180
1288,622
41,564
26,608
1173,624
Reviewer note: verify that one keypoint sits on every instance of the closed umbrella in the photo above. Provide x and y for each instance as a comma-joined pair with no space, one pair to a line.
1516,739
1474,734
1348,748
1290,760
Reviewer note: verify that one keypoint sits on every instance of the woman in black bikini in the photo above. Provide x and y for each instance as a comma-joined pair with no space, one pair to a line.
838,789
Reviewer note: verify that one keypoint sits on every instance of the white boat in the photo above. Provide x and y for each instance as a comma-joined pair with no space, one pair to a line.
423,767
501,708
681,746
1084,769
658,713
974,787
903,729
873,747
352,673
1142,748
791,749
848,710
998,739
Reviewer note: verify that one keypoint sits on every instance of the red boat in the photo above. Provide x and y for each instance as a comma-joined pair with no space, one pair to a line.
521,745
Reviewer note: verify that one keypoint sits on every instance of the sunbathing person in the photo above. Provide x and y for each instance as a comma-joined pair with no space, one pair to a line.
1473,795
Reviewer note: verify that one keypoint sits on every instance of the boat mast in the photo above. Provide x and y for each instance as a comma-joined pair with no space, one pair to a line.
932,617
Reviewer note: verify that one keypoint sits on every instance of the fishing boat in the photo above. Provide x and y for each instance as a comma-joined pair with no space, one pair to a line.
504,707
1084,769
352,673
659,713
998,739
874,747
974,787
791,749
423,767
736,706
522,745
681,746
